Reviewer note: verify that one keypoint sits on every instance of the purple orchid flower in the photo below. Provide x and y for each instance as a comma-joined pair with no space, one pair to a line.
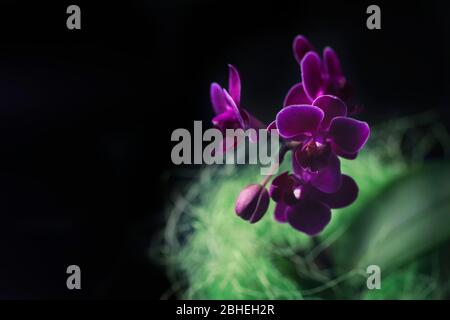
306,208
318,78
321,132
226,105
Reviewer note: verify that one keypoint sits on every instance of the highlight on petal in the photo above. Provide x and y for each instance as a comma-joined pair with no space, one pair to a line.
217,98
298,119
332,107
332,64
308,216
343,197
252,203
312,75
348,135
329,179
301,46
234,84
296,95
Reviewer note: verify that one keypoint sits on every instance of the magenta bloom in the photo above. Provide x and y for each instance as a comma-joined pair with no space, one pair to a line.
323,132
318,77
319,133
306,208
226,104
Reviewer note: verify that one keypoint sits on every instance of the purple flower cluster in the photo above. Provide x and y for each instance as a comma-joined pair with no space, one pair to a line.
314,125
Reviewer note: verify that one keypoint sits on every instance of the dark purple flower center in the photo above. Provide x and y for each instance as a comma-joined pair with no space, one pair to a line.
313,155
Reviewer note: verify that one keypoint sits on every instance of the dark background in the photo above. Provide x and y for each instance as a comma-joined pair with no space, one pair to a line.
86,115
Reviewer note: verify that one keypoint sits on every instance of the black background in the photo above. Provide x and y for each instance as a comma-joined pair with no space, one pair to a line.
86,115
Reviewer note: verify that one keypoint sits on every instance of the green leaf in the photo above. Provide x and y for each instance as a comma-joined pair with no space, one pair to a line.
410,217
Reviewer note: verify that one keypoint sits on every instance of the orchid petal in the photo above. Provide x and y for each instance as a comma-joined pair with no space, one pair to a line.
234,84
280,212
308,216
312,75
217,98
301,46
231,103
296,95
328,180
279,186
349,135
332,107
332,64
339,152
272,126
298,119
344,196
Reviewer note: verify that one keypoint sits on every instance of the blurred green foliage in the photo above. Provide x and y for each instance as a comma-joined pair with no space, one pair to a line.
400,221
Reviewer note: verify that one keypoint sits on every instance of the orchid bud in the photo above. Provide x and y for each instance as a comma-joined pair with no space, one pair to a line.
252,203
